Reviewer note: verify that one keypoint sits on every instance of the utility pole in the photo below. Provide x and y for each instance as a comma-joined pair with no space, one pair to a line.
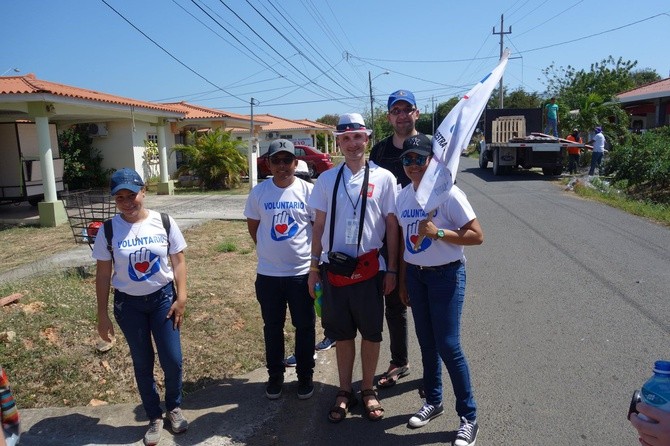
252,151
372,109
502,39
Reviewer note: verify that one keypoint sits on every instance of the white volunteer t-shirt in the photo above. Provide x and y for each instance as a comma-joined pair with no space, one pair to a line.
140,253
452,214
382,193
284,237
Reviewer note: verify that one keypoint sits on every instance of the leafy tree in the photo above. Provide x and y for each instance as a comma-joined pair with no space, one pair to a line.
520,98
645,76
329,119
82,162
592,93
215,158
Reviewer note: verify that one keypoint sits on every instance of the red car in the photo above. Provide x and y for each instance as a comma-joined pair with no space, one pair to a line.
317,161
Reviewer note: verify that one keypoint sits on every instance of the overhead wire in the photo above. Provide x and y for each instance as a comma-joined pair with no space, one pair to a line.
170,54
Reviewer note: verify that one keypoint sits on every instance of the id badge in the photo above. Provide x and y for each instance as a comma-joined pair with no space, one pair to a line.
351,235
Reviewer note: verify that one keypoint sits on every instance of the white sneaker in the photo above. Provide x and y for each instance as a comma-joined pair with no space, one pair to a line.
153,435
467,433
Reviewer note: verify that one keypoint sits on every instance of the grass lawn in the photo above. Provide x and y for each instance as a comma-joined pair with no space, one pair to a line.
47,338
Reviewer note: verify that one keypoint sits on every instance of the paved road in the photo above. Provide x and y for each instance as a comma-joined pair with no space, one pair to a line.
566,311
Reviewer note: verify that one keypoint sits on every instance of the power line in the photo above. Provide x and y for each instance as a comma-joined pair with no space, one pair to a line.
170,54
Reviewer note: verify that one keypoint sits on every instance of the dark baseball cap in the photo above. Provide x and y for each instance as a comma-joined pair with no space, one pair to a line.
281,145
420,144
126,179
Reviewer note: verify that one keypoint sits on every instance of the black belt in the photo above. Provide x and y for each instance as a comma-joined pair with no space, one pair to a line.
438,267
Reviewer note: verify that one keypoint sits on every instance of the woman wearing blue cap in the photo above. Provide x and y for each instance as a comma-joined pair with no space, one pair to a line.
149,295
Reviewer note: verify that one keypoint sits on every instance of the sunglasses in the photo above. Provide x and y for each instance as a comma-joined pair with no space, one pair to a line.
349,127
419,160
401,111
281,160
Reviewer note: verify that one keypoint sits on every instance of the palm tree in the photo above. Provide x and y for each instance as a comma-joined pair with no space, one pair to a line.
215,158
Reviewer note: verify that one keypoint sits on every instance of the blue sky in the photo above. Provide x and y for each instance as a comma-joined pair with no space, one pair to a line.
307,58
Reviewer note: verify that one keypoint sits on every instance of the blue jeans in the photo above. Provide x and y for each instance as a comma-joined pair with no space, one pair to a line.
140,318
596,159
552,126
273,294
436,297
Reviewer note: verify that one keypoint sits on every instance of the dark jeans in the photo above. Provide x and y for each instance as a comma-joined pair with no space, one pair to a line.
396,321
596,159
573,163
436,297
273,294
140,318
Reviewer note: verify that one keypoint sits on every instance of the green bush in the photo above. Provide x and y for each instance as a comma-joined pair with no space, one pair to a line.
83,163
644,165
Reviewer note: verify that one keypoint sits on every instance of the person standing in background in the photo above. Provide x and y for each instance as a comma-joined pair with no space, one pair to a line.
551,115
598,143
402,115
574,151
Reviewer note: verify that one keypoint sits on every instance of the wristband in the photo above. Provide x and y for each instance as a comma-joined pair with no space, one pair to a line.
392,272
317,258
314,268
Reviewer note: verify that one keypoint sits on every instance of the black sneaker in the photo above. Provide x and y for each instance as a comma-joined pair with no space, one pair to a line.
274,387
305,388
425,414
467,433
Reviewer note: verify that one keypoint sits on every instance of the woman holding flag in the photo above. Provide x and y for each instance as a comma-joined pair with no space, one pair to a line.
432,282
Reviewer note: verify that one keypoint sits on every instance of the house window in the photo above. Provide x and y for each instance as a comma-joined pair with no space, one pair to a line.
153,137
289,137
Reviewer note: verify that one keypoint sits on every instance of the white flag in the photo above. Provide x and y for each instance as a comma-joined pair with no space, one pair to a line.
453,136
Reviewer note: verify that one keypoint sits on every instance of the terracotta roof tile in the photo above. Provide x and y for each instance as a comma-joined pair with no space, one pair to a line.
193,111
652,90
29,84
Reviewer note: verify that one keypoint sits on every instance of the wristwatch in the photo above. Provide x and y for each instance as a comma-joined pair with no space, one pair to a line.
440,233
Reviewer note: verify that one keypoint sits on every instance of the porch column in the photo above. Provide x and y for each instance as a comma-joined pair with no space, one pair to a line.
165,185
51,210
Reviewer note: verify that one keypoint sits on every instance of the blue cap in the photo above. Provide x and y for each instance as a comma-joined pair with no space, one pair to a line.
126,179
598,129
401,95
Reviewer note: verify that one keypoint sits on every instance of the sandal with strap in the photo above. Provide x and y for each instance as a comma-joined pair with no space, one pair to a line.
351,401
390,378
369,410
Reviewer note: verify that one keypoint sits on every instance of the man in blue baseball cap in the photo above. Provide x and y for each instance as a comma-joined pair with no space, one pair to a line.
402,115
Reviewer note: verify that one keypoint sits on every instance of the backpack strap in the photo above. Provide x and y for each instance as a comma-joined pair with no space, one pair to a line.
109,232
165,218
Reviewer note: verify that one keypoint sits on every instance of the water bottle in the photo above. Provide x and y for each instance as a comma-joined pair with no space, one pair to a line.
656,391
318,292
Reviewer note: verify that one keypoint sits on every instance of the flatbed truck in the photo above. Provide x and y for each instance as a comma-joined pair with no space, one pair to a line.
512,139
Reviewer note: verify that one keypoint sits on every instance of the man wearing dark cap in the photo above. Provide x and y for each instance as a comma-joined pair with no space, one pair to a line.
280,224
598,142
402,115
